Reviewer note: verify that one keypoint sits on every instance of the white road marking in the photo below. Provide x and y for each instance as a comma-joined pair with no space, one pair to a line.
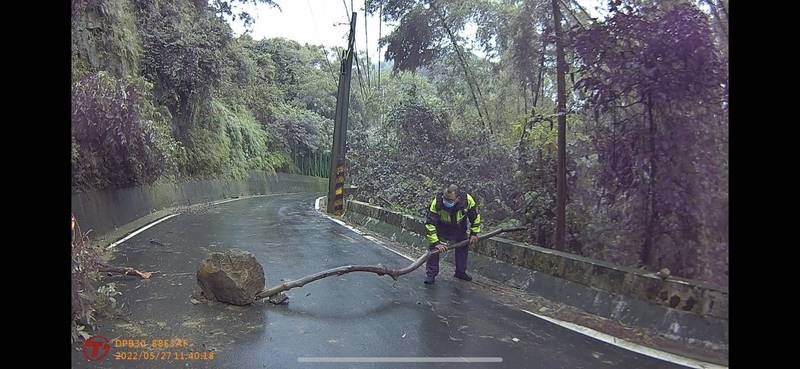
661,355
140,230
666,356
373,239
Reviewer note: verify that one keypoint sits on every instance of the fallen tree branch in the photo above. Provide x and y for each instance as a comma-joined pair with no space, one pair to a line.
105,268
377,269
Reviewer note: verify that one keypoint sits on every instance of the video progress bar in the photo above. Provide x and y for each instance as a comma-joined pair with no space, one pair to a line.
405,359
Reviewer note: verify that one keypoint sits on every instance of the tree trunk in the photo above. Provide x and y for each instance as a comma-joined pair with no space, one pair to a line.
380,49
486,111
561,179
648,255
525,99
535,92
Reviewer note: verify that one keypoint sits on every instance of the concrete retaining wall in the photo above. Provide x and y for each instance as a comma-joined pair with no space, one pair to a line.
105,211
679,308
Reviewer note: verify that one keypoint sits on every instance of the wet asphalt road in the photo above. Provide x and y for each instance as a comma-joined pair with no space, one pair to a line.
354,315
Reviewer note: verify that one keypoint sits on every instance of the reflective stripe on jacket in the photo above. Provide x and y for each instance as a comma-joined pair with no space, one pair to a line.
452,221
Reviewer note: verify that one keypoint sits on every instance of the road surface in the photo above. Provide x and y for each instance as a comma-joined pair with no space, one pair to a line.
354,315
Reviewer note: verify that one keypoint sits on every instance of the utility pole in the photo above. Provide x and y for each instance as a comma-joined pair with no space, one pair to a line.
336,177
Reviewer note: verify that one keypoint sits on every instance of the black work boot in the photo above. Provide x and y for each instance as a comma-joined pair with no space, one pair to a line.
430,280
463,276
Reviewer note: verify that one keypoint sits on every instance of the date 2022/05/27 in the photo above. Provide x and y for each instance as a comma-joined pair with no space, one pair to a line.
164,355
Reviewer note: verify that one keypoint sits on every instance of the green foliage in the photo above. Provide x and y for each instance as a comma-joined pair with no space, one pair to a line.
87,300
249,78
407,86
301,129
228,141
420,126
424,156
291,91
302,75
184,55
421,35
414,43
104,37
234,104
239,104
229,8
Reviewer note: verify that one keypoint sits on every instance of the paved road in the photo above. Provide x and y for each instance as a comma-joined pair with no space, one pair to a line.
354,315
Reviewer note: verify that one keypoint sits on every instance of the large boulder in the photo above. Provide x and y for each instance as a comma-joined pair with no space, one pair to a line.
233,276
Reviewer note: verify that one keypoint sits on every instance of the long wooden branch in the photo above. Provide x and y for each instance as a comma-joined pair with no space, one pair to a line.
105,268
377,269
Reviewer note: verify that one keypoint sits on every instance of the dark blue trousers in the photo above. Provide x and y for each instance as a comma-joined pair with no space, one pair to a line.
432,265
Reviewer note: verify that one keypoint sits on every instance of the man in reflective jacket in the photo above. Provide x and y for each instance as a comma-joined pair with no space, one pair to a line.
447,222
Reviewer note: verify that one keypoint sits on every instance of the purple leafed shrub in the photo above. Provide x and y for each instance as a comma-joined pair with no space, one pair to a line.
656,85
118,137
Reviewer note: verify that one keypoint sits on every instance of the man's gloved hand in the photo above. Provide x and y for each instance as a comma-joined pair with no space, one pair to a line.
473,240
442,247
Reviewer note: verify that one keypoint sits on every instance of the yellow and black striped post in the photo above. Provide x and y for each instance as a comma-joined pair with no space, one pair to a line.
338,198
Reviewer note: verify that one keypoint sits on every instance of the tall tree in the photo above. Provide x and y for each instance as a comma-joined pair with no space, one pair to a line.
664,156
471,81
561,110
419,39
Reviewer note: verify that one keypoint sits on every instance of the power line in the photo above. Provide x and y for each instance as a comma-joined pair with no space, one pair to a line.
313,19
330,66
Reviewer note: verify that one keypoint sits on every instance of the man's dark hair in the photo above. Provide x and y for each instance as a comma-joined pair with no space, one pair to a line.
452,188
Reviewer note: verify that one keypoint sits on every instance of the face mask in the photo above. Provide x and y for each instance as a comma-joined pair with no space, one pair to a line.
448,204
